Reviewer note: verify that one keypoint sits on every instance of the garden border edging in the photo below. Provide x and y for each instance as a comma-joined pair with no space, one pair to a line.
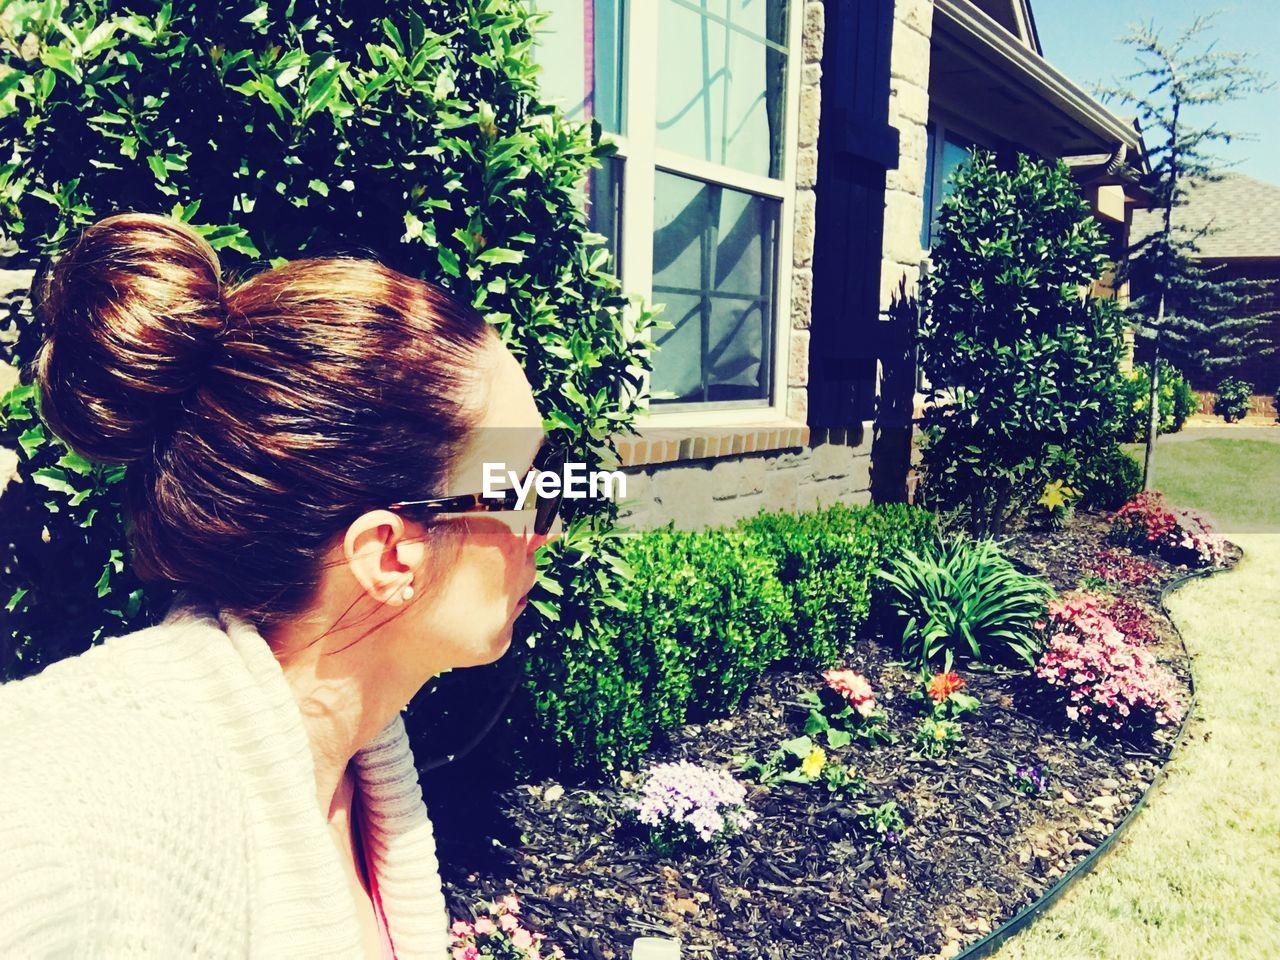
988,944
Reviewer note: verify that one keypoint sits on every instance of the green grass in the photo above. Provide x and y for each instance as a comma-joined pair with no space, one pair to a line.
1197,875
1235,482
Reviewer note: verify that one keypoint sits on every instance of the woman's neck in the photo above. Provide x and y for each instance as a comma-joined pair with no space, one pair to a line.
341,712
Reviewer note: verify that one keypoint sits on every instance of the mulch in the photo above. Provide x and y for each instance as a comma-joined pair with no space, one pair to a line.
804,882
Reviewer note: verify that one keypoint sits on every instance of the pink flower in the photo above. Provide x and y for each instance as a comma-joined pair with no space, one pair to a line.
508,922
510,904
485,927
466,953
852,686
461,928
522,939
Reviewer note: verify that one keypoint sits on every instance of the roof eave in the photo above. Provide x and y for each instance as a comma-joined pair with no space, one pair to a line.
966,23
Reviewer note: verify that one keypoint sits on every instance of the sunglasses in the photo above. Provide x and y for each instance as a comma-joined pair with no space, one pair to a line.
547,460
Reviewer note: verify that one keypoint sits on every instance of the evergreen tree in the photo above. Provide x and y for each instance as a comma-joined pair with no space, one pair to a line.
1184,309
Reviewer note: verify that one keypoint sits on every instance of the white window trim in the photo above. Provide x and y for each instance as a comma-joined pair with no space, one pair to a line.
643,158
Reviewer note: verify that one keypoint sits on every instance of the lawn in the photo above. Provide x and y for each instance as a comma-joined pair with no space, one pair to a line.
1198,874
1232,480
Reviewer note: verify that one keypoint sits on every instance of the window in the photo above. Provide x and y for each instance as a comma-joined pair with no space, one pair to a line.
700,98
581,55
944,155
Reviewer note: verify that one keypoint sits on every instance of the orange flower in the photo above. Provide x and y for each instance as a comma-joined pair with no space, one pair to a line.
943,685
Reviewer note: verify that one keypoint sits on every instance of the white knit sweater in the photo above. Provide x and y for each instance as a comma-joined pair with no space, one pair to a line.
157,798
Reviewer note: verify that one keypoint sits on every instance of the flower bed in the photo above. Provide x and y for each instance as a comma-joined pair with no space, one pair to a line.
902,854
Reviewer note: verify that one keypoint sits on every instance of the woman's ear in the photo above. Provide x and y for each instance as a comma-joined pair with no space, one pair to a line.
382,557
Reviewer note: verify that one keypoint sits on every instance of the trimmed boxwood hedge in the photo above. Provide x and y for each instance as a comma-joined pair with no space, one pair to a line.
703,616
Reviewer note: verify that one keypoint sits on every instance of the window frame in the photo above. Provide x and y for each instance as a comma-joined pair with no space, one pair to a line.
641,161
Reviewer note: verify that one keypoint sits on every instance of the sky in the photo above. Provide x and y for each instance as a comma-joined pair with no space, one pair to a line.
1082,39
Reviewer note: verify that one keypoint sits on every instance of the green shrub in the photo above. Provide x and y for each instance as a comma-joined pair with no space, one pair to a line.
1111,479
1233,400
413,132
1275,400
711,605
824,559
1022,369
965,599
1177,401
701,618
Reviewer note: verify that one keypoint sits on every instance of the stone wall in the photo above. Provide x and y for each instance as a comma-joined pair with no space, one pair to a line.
700,493
909,113
697,494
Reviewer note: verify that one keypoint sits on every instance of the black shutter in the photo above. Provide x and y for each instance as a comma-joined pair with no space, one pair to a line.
855,147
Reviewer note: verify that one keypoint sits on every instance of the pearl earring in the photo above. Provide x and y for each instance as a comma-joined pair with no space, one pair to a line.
407,592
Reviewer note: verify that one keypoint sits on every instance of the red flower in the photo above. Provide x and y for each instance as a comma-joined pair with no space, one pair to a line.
943,685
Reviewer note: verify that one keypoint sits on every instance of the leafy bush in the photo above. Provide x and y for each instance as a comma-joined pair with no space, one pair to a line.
824,559
412,132
1111,479
964,599
823,565
711,606
1176,398
1102,681
1022,368
702,616
697,618
1233,399
1147,522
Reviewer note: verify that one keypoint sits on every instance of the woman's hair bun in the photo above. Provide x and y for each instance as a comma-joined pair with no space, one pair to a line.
131,315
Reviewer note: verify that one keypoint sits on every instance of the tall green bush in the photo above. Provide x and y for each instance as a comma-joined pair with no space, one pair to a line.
1022,366
1176,397
412,131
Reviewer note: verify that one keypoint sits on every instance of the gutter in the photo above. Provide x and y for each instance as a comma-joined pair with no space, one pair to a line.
964,22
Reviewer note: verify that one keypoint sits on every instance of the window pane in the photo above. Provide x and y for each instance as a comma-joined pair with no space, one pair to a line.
604,207
955,153
714,253
722,83
580,51
926,215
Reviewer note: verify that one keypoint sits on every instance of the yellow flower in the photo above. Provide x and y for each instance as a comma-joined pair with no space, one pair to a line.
1056,493
939,732
812,764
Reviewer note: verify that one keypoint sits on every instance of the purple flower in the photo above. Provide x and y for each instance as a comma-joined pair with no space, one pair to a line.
685,796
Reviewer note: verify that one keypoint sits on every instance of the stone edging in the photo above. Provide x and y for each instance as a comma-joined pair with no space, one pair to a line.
989,943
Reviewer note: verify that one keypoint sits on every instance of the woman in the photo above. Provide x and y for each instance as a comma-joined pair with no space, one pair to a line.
307,453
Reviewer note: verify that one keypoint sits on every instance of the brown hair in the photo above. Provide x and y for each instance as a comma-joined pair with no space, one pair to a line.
258,419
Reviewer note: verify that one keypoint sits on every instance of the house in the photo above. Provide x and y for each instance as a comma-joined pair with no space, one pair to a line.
780,168
780,164
1242,215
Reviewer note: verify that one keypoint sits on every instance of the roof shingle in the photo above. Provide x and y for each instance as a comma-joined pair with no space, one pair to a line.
1243,212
